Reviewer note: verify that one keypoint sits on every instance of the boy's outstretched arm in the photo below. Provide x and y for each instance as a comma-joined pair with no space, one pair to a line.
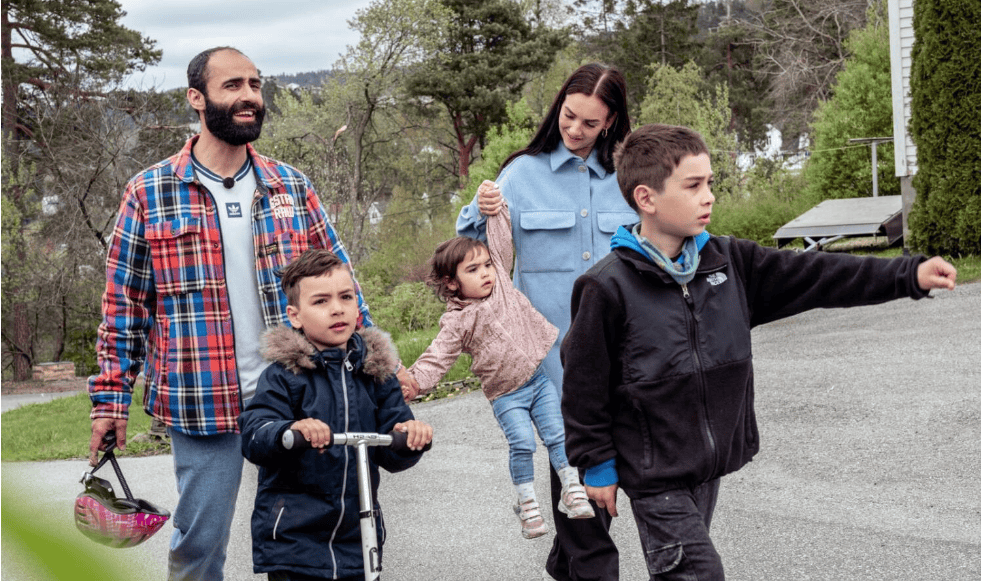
936,273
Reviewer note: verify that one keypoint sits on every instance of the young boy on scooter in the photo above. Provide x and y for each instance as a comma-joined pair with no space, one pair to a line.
326,377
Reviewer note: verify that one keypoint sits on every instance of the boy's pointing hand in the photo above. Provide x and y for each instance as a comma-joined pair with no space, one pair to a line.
936,273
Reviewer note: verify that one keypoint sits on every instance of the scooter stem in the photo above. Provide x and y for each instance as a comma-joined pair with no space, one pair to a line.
369,535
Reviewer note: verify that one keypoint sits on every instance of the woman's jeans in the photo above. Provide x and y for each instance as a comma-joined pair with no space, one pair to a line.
535,402
208,470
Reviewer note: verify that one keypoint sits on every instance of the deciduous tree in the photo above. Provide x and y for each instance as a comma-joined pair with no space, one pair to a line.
860,106
62,198
800,44
58,59
355,136
677,97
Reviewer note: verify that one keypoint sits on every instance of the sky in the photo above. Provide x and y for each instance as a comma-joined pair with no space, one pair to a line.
280,36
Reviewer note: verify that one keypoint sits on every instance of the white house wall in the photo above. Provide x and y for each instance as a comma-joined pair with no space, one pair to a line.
901,43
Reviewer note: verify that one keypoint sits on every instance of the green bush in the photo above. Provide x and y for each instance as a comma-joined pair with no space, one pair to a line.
860,106
771,197
409,306
80,349
411,346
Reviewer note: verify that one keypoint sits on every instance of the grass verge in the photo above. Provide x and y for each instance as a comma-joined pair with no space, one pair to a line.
60,429
969,267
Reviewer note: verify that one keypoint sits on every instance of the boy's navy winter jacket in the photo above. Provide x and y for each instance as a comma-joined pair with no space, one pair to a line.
658,377
306,514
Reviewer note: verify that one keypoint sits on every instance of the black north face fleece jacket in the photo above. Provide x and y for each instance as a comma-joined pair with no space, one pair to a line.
659,376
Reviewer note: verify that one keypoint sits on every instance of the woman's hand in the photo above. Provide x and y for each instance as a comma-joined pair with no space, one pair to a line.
489,199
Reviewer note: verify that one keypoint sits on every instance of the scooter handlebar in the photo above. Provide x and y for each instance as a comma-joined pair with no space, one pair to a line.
294,440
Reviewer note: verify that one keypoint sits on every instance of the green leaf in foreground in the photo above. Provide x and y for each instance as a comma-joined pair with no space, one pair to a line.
40,547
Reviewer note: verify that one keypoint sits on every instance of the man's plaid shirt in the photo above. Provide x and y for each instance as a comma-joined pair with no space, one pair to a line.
166,302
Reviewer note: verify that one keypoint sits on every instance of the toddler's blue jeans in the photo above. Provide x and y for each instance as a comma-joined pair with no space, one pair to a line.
536,402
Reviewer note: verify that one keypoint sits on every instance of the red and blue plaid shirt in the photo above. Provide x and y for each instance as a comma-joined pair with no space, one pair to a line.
166,302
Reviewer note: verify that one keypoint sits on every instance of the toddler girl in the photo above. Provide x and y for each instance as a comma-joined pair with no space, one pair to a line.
507,338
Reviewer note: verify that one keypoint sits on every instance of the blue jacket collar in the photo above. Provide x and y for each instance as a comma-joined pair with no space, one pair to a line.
352,352
561,156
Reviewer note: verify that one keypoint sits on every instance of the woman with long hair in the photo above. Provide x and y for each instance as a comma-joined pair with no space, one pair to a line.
565,206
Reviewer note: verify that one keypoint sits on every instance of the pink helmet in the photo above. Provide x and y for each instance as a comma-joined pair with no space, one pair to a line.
111,521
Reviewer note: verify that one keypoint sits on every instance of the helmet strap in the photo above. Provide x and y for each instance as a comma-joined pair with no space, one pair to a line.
110,456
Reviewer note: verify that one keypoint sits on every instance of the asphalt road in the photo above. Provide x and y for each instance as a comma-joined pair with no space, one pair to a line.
869,468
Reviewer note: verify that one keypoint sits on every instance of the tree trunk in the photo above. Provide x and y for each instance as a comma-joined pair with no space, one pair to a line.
9,118
22,343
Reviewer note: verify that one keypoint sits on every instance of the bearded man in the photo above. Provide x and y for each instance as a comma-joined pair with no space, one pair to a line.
191,284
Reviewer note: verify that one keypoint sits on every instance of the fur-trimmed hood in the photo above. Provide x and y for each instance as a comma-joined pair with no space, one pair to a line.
373,346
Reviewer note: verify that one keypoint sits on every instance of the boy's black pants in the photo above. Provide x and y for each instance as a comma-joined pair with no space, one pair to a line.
674,530
582,549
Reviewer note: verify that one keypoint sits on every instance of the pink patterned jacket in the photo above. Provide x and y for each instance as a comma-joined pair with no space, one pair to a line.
504,334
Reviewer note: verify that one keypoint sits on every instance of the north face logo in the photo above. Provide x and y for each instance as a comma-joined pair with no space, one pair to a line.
716,279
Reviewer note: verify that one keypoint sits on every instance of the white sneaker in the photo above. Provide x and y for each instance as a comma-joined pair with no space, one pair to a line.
533,525
574,503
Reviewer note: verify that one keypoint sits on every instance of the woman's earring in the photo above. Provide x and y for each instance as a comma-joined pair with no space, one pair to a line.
604,133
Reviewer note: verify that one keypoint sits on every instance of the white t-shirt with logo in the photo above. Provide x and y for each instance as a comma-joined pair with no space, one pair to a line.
235,220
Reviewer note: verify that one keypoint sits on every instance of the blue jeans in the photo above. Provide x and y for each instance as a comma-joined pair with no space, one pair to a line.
535,402
208,471
674,531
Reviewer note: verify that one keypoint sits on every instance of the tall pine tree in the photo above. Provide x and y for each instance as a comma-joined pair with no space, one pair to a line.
491,50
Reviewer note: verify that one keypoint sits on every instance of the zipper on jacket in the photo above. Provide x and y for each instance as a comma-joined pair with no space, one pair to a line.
693,332
344,481
276,525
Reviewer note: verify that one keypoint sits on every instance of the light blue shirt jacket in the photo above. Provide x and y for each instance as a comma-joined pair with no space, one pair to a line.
564,211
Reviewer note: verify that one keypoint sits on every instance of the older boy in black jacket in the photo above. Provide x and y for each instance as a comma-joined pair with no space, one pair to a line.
658,375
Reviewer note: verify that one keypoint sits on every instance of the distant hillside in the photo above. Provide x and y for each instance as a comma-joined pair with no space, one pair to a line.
311,79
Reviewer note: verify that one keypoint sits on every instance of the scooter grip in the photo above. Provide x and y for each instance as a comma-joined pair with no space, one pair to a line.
294,440
399,443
